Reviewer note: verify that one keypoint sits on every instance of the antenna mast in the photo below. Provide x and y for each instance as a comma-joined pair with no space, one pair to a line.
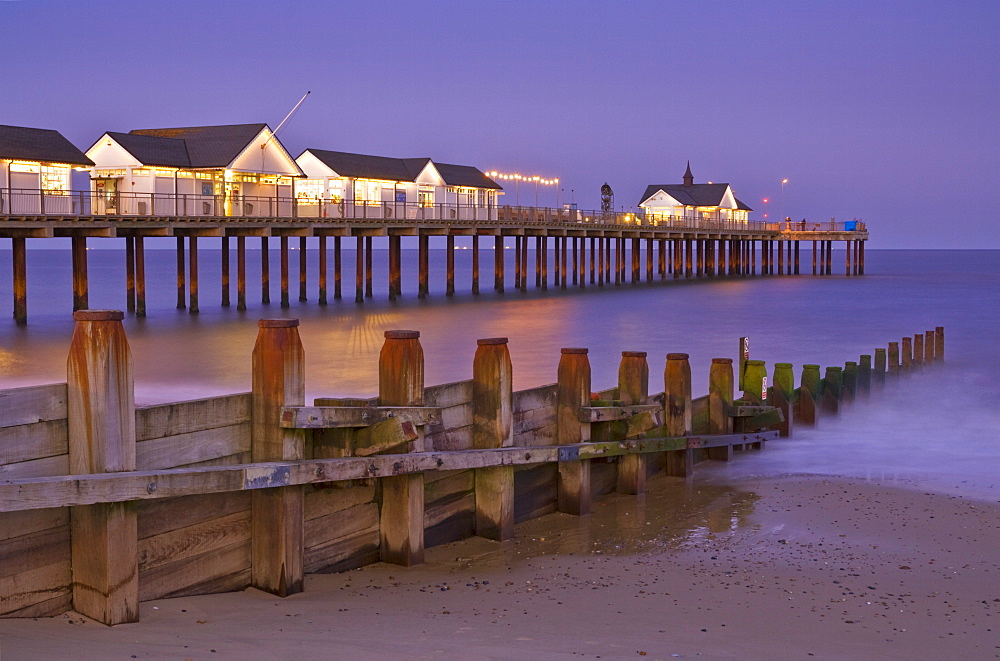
275,131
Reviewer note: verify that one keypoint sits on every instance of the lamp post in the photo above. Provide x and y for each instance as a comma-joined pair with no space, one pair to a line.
765,200
783,182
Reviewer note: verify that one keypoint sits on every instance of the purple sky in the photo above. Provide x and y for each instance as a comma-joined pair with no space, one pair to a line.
884,111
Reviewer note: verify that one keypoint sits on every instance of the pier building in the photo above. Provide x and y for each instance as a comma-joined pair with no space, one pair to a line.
39,160
682,203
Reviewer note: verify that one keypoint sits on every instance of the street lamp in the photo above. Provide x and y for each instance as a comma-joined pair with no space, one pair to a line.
783,182
765,200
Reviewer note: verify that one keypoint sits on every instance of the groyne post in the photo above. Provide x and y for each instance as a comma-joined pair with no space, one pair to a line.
783,393
276,514
720,400
810,391
928,347
939,343
755,382
850,376
492,427
572,393
633,388
906,356
833,384
401,383
918,351
893,361
864,377
878,372
101,433
677,411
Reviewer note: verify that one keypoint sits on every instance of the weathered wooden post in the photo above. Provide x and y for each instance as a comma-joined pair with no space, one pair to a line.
720,399
140,277
833,385
101,432
906,356
573,392
633,388
928,347
878,372
193,273
401,383
498,263
80,284
278,380
369,270
784,393
918,351
850,376
939,344
677,411
810,391
395,275
303,269
893,361
744,357
492,427
19,262
864,377
321,270
265,271
283,245
755,382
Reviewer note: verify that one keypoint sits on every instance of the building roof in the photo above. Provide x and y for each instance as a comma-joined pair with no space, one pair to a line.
362,166
205,146
465,175
741,205
45,145
152,150
695,195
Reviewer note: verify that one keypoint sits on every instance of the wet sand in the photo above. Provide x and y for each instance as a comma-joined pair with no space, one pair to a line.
776,568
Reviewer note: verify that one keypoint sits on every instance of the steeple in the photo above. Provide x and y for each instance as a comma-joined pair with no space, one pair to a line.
688,177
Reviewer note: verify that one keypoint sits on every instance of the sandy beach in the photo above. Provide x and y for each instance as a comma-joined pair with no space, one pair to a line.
777,568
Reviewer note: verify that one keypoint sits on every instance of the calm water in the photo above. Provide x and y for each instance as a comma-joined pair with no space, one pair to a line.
941,429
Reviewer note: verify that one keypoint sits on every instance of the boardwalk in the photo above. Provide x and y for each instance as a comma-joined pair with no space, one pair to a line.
588,247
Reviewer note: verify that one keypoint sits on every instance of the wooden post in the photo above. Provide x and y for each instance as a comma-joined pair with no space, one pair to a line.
562,264
722,257
401,383
517,262
498,264
140,277
265,272
524,263
688,258
600,262
814,257
225,272
101,433
450,286
19,262
918,350
847,258
492,427
544,254
359,274
475,263
781,258
829,257
810,391
79,253
661,256
893,361
303,268
797,257
276,514
633,388
833,384
193,273
284,271
573,392
368,266
337,275
720,399
322,270
850,376
864,377
861,258
783,393
939,344
649,260
395,277
241,273
906,356
754,377
181,301
677,411
129,273
928,347
878,371
579,254
423,246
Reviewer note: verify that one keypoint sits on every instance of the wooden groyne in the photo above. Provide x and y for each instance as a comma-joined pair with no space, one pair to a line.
104,504
588,249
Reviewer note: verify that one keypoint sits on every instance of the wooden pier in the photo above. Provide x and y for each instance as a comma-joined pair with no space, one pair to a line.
589,249
104,504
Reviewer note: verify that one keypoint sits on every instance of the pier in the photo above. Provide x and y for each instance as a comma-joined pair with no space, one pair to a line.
589,249
105,504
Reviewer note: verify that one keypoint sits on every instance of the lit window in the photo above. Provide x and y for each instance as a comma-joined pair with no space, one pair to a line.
30,168
140,172
183,174
164,173
55,179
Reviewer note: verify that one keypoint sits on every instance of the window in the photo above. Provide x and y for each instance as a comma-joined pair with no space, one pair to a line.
140,172
367,192
164,173
425,196
183,174
309,189
30,168
55,179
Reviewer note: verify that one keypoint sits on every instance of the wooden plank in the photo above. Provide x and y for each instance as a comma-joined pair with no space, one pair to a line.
345,554
448,394
57,605
23,406
327,501
543,436
603,477
33,441
24,589
47,467
228,460
450,440
389,434
337,525
450,521
194,540
37,549
191,416
193,447
220,570
536,418
14,524
454,417
606,413
339,417
534,398
441,484
160,516
449,506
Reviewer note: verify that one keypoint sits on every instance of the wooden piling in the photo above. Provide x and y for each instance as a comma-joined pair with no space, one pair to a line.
572,393
918,351
784,395
265,271
633,388
492,427
928,347
283,245
193,274
336,268
833,384
129,273
755,382
850,381
524,263
906,356
939,344
864,377
878,371
303,268
241,273
224,276
369,270
401,383
594,248
688,258
450,276
395,276
475,263
677,411
321,270
140,277
498,264
181,286
101,434
661,257
810,391
359,270
19,263
277,514
423,248
893,361
720,400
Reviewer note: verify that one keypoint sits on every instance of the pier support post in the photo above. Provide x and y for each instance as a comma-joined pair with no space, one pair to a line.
193,273
517,262
359,271
140,277
129,274
633,388
524,263
677,411
224,277
368,266
265,272
423,248
556,260
861,259
720,399
829,257
337,293
401,383
878,371
80,283
600,262
688,258
101,433
321,270
498,263
19,263
475,263
181,283
303,268
797,257
847,257
781,258
810,391
241,273
593,249
562,262
283,242
276,514
636,259
573,392
395,277
538,261
450,276
783,394
492,427
649,260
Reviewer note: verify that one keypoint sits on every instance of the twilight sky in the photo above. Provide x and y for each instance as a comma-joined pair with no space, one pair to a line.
885,111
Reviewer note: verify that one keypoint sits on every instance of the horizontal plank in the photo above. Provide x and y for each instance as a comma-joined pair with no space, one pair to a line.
534,398
448,394
338,525
321,502
606,413
156,517
344,554
535,419
339,417
536,437
228,460
21,590
37,549
33,441
453,482
57,605
192,447
23,406
452,439
193,540
14,524
71,490
455,417
194,575
191,416
47,467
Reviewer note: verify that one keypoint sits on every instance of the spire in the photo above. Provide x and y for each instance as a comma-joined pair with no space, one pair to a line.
688,177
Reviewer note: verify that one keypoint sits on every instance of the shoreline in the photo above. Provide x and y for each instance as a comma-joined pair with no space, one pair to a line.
758,568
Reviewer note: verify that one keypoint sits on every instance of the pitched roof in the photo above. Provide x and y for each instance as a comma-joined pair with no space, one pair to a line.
465,175
152,150
28,144
741,205
206,146
363,166
695,195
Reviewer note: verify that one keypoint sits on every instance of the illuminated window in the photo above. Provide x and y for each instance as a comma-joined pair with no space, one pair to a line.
309,189
164,173
110,174
55,179
140,172
425,196
367,192
183,174
30,168
203,175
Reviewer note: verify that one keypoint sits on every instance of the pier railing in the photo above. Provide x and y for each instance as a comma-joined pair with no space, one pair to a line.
33,202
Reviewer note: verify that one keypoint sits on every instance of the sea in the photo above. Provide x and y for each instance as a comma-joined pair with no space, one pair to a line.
937,430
